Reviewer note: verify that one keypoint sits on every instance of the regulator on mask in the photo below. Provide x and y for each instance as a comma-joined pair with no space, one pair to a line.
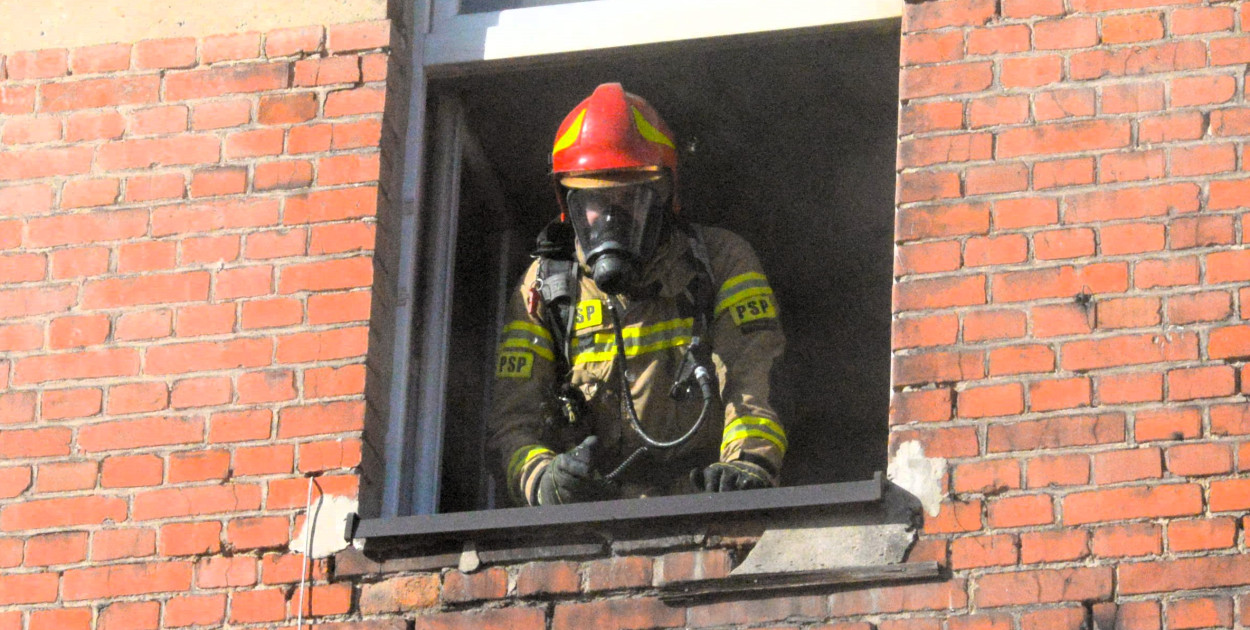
618,228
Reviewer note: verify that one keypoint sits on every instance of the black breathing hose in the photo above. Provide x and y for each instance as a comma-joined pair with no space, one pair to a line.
702,376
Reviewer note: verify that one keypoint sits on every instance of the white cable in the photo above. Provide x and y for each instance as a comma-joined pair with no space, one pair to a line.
308,536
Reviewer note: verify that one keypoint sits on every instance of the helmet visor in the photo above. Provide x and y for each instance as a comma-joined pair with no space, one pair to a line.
619,218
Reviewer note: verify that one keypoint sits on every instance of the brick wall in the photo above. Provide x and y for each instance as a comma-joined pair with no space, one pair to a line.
183,328
186,231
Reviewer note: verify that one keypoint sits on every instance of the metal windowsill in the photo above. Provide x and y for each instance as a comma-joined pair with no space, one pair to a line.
518,523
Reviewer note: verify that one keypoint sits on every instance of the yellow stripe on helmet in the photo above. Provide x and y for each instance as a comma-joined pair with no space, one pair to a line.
647,130
570,136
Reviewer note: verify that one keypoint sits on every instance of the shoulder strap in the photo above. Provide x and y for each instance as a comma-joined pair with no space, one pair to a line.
702,288
558,285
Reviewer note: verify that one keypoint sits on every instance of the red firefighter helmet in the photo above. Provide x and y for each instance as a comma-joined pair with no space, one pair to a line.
612,134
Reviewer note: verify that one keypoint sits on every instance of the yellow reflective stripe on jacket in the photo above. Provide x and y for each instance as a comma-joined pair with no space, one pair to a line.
527,336
639,340
754,426
522,458
741,287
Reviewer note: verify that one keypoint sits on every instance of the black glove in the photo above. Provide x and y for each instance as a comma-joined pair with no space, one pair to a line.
571,477
727,476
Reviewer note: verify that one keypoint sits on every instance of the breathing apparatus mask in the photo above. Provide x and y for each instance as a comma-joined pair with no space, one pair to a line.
618,225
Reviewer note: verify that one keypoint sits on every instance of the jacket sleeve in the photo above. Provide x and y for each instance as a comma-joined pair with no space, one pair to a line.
748,341
521,398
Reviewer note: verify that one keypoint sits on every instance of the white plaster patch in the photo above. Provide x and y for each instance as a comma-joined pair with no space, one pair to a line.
919,475
329,521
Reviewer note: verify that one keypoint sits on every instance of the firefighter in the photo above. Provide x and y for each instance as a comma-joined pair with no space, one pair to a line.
638,348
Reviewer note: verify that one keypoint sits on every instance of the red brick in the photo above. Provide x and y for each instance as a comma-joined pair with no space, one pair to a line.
1031,72
66,476
1230,495
1059,173
220,114
322,600
1134,502
1203,160
114,544
988,325
218,181
27,588
202,610
934,15
466,587
148,289
322,419
131,471
997,250
999,40
71,403
158,120
61,512
1174,127
944,442
1127,350
264,460
257,606
1201,20
358,36
1137,60
329,455
373,67
1202,534
1058,244
218,571
1183,574
188,466
239,426
189,539
313,138
927,185
942,220
150,324
101,58
1062,138
291,493
233,79
989,476
130,616
37,64
925,331
289,41
37,163
1053,546
618,573
155,54
351,168
362,100
1043,586
1135,166
939,293
316,71
254,143
267,386
152,187
955,517
169,151
143,256
189,501
332,308
1021,510
971,552
284,109
232,47
1053,394
1058,470
1135,27
208,355
1021,359
932,367
1129,388
54,549
94,125
1056,432
913,118
266,244
1200,231
31,130
331,205
329,381
1065,33
1204,382
544,578
401,594
283,175
1229,50
63,619
123,434
1134,539
259,532
530,618
1127,465
1168,424
26,199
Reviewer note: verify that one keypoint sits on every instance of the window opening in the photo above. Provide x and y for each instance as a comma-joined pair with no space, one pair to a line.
786,139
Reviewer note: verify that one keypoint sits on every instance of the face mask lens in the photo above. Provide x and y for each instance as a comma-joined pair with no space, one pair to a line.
611,218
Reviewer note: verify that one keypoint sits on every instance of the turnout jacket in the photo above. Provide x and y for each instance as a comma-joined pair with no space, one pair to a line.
526,427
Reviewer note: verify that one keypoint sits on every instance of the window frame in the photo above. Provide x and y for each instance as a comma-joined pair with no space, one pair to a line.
425,145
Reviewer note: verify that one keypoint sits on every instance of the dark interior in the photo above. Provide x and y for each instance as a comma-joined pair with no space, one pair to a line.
787,139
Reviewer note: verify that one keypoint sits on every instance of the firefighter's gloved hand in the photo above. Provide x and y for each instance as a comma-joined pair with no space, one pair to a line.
571,477
735,475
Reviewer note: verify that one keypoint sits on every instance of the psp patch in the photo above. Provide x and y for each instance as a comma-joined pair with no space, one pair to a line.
514,364
755,309
589,314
